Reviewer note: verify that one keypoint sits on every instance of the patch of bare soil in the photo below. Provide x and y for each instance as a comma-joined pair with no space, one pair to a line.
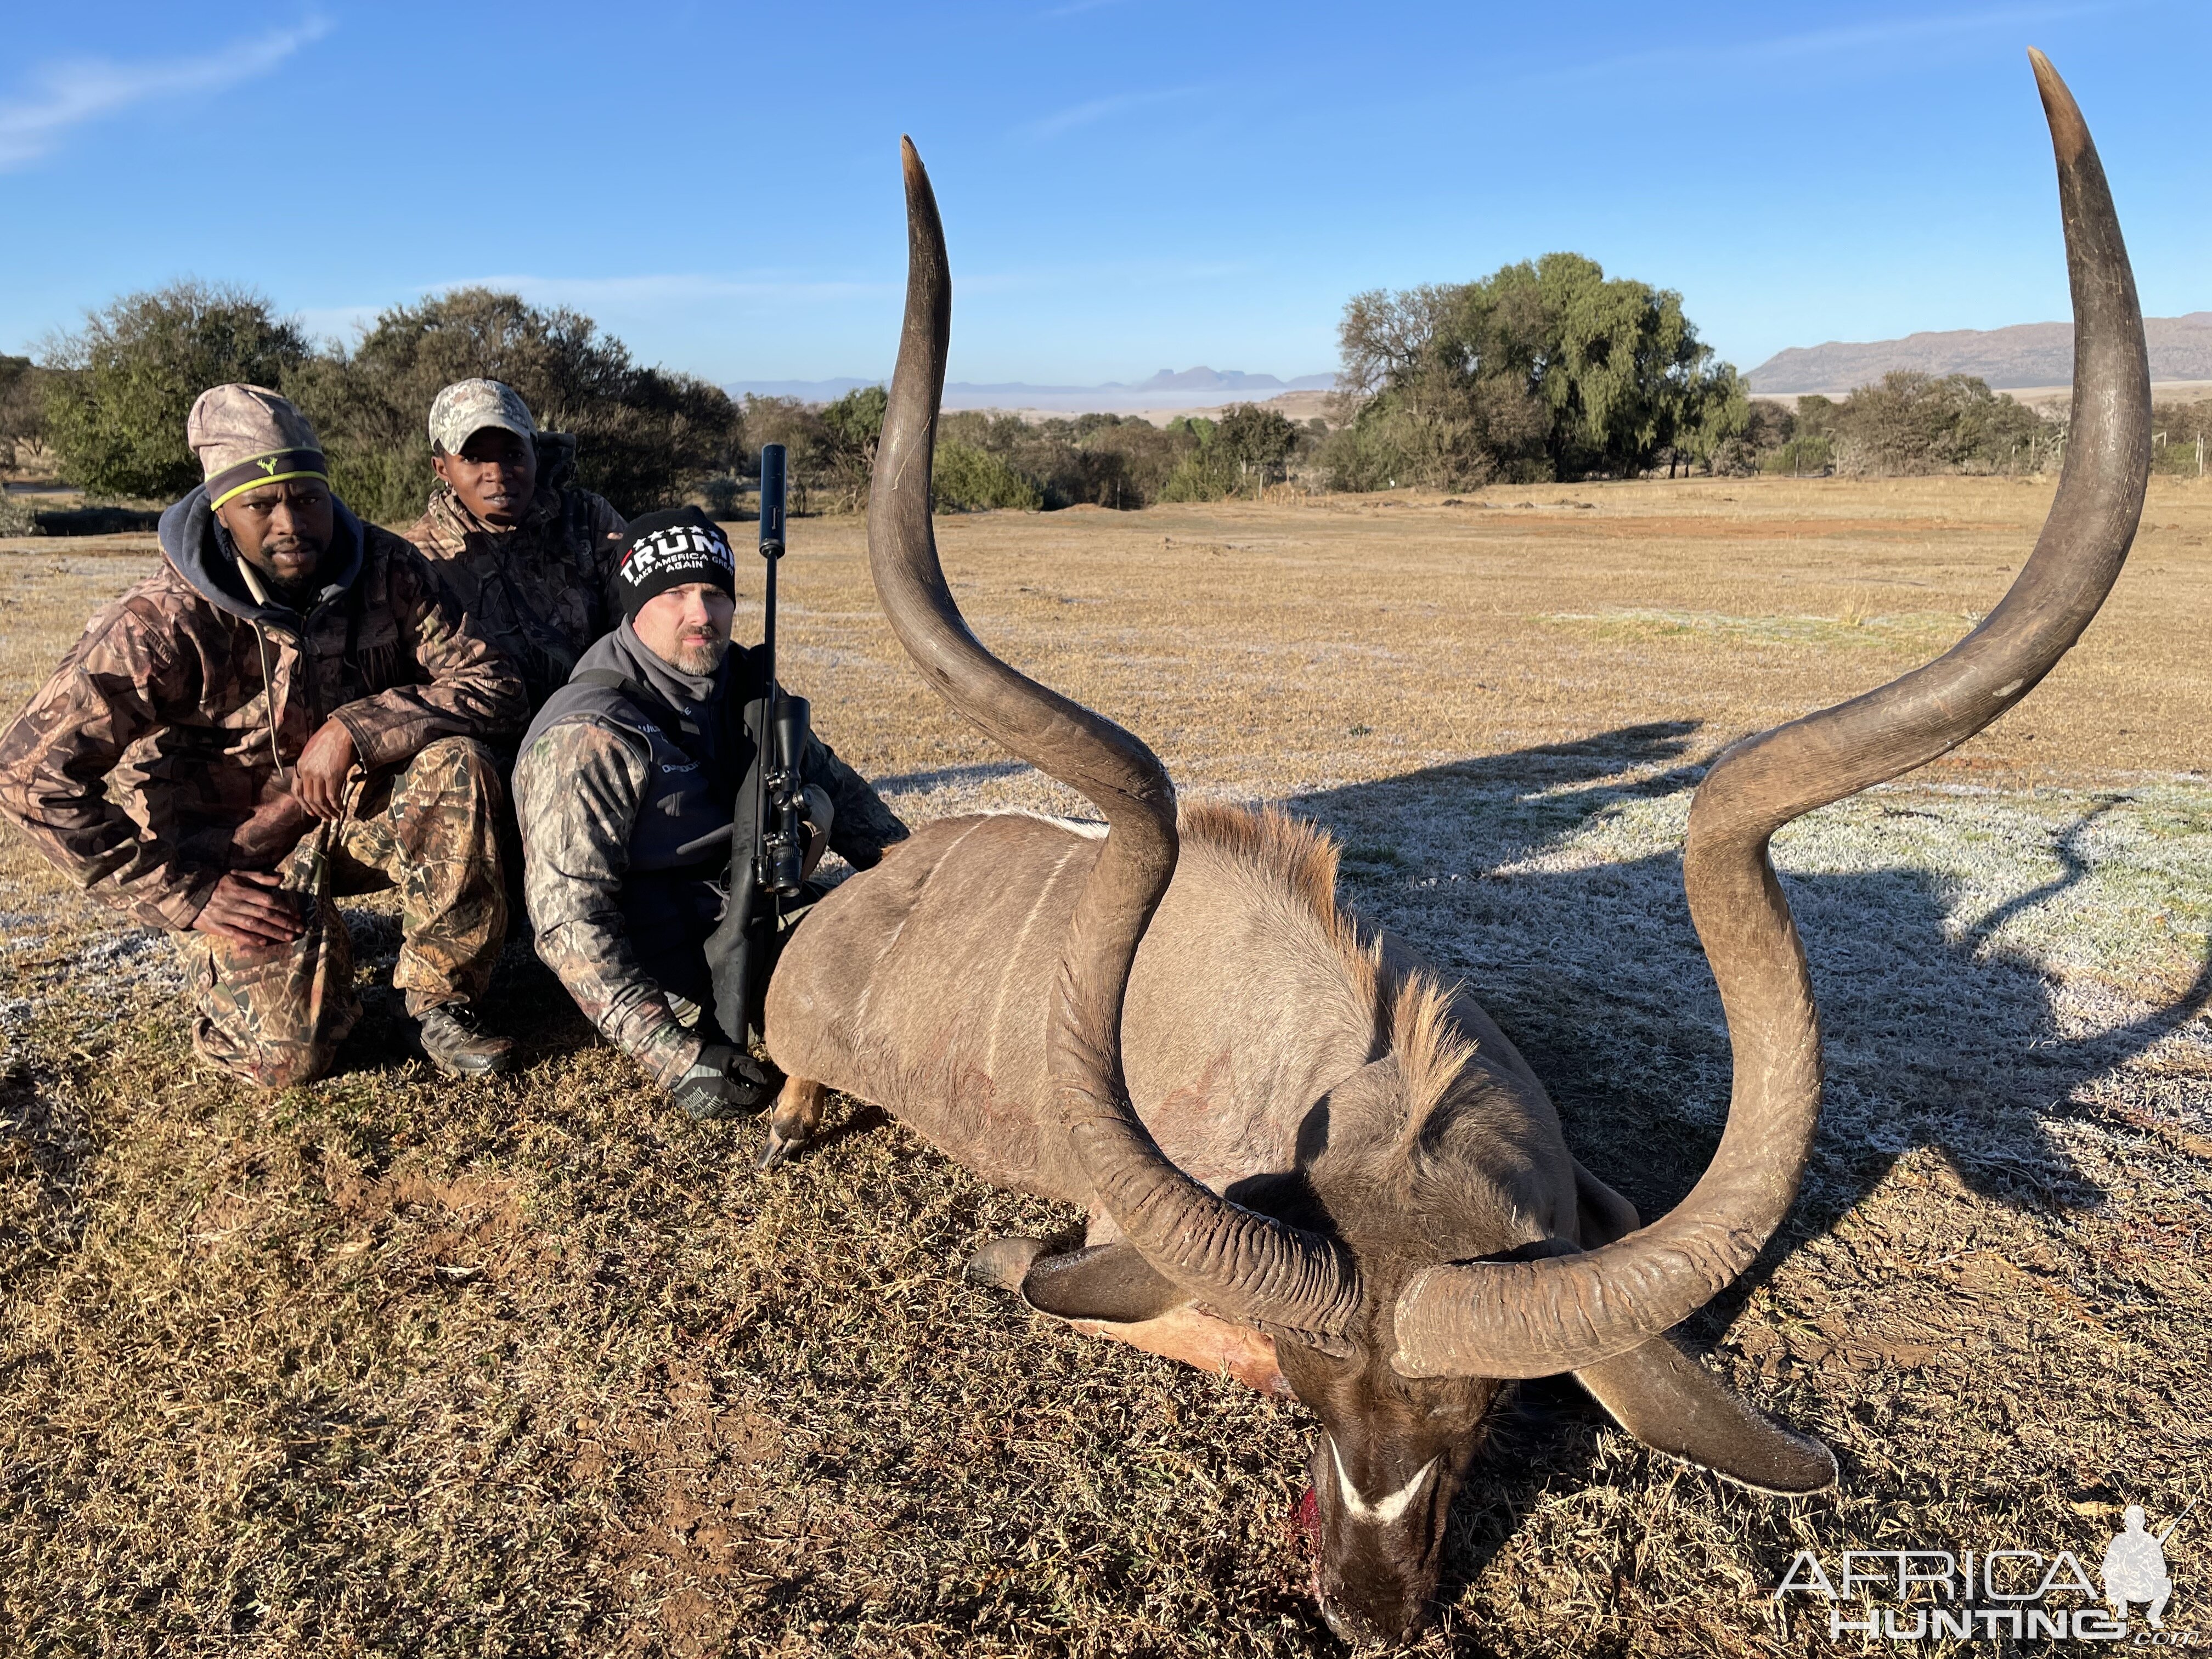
533,1364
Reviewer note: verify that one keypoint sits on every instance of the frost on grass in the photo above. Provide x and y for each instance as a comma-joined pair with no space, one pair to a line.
396,1362
1986,964
1988,1296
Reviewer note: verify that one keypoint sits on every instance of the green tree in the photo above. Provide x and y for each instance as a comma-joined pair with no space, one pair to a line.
967,478
115,415
853,425
2181,432
1442,379
1208,471
1103,460
805,437
1259,441
1910,423
1809,455
23,390
1543,369
1713,417
1112,460
643,435
1363,454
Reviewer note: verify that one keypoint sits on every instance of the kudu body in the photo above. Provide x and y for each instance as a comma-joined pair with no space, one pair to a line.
1308,1161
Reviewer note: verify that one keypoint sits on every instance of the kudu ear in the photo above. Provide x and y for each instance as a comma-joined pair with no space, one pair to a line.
1111,1282
1601,1215
1674,1405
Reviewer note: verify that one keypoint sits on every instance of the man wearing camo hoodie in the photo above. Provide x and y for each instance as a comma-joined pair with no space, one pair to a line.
528,553
289,670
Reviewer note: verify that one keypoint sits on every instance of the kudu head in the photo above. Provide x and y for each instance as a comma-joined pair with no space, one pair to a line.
1400,1294
1399,1180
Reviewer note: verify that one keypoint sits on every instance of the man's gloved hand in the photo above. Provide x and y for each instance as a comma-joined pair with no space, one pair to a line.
722,1082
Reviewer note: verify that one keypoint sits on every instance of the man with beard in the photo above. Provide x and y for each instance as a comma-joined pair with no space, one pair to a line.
289,670
627,791
528,553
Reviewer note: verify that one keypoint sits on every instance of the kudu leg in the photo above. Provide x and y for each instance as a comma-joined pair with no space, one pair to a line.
795,1120
1140,1307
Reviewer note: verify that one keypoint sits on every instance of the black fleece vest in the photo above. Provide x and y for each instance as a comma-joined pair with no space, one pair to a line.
697,759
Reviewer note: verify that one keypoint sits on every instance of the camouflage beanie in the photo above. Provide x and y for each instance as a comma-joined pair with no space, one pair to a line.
672,548
246,436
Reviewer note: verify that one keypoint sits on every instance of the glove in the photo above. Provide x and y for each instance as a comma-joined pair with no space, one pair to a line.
723,1081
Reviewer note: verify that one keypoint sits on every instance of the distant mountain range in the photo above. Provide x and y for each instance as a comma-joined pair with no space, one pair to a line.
1188,388
2025,354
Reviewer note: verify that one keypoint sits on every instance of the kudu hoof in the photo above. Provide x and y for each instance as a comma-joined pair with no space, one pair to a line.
779,1150
1004,1262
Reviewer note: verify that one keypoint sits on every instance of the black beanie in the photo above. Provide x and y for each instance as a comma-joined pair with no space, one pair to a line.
672,548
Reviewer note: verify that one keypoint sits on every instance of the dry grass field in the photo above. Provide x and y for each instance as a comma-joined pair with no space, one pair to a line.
391,1365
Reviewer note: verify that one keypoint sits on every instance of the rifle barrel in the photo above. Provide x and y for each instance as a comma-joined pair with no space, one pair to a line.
773,484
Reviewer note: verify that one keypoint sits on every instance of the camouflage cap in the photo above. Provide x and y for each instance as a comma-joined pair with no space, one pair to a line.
467,407
246,435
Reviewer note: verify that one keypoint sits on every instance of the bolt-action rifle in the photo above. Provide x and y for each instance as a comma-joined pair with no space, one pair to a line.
769,830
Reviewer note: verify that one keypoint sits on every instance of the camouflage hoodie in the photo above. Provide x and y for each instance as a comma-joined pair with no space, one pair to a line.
151,743
539,590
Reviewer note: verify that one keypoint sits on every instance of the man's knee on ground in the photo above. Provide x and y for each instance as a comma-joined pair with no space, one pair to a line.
271,1018
273,1069
270,1052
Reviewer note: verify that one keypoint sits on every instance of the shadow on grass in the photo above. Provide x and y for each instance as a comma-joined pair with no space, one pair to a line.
526,1002
45,1143
1932,1037
1597,976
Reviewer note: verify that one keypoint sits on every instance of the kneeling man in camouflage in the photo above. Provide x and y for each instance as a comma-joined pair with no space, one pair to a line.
627,790
291,687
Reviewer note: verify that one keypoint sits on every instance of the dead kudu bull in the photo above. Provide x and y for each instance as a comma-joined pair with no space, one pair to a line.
1306,1161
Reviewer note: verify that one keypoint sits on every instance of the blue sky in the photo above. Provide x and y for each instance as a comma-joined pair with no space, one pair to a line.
1127,185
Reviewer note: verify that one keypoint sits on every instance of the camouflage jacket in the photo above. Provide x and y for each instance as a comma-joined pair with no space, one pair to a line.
539,590
580,785
151,743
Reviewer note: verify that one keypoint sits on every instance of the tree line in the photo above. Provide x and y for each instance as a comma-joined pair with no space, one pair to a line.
107,409
112,398
1546,370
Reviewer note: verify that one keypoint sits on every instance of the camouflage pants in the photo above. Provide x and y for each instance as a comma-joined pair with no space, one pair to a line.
274,1015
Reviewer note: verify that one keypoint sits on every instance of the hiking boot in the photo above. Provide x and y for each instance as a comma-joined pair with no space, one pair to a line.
458,1045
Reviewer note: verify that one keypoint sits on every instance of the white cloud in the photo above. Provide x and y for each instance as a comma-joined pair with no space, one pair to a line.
1082,115
67,94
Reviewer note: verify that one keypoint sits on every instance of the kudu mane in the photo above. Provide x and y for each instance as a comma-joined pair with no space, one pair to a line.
1406,1015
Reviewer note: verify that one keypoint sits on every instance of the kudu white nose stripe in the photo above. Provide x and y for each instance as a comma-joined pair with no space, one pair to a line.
1381,1514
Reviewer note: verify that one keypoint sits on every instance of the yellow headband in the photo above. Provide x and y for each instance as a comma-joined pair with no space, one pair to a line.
277,466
